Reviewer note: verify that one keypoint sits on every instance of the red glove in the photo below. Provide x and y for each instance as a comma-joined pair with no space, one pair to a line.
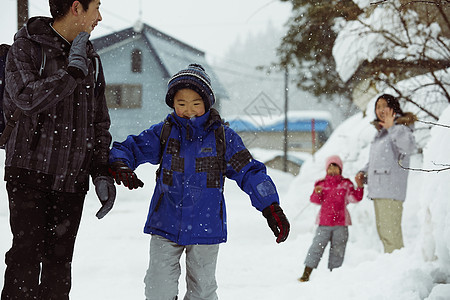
123,174
277,221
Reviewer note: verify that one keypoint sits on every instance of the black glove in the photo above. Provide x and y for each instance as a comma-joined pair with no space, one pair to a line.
106,193
78,61
277,221
123,174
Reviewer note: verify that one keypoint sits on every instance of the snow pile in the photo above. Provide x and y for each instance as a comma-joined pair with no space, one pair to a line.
422,268
435,208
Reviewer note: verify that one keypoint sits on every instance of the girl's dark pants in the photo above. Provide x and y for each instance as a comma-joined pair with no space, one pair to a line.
44,225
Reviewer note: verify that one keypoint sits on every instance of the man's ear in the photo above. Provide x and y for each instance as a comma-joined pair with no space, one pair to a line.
75,8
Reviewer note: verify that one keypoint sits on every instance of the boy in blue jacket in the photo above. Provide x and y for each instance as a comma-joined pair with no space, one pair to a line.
187,210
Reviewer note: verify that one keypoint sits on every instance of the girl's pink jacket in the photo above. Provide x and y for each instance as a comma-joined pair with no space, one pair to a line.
337,192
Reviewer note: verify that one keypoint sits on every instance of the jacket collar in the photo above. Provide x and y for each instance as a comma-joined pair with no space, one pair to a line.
334,179
210,119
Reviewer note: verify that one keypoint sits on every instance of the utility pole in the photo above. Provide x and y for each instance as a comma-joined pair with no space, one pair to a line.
22,13
286,98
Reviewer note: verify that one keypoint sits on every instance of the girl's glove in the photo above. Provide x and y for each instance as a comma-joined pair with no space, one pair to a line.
277,221
123,174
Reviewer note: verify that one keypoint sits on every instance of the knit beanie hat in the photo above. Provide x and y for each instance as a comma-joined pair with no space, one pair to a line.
194,78
334,159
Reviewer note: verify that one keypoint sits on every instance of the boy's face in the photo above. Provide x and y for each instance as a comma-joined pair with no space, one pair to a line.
333,170
188,104
90,18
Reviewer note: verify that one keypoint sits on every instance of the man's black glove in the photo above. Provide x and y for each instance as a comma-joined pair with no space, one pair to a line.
277,221
106,193
78,61
123,174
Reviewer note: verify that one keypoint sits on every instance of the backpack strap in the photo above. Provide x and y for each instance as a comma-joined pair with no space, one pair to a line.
163,137
9,127
221,147
97,69
43,61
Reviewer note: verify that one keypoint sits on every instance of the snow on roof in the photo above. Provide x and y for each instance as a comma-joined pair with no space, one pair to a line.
265,155
175,61
173,54
297,121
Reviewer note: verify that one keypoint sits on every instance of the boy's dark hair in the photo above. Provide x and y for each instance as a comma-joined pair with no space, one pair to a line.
59,8
392,102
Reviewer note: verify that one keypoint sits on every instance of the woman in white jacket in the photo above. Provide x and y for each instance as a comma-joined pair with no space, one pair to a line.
384,175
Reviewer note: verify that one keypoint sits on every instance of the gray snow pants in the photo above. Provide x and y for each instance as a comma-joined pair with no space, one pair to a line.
161,280
338,236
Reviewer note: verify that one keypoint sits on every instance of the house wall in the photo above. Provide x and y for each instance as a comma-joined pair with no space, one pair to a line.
117,68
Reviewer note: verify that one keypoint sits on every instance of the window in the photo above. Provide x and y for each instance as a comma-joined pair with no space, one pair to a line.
124,95
136,61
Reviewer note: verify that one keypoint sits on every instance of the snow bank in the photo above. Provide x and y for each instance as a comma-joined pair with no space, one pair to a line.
421,270
435,208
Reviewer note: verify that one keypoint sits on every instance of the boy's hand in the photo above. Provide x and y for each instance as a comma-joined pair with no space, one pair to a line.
123,174
277,221
318,189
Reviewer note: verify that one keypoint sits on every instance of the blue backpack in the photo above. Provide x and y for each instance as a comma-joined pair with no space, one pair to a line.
7,127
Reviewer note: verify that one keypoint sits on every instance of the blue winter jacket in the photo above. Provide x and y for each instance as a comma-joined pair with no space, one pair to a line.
188,206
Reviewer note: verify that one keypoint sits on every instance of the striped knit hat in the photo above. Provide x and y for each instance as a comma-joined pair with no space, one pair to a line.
194,78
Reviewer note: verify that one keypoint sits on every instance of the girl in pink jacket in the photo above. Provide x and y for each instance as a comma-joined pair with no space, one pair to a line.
333,193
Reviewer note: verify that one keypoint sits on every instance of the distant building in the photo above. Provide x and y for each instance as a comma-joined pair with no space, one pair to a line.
275,159
138,62
305,128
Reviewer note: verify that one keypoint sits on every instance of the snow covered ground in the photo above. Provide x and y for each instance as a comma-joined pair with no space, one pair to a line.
111,254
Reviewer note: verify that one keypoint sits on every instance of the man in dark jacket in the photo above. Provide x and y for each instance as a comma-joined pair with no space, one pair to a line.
61,137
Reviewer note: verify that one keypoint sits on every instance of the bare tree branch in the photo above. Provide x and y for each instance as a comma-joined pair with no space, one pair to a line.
441,86
437,3
423,170
433,123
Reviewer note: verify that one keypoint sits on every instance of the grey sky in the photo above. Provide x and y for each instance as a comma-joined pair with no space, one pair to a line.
209,25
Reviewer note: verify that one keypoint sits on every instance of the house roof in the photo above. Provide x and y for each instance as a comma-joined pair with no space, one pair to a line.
173,55
266,155
297,121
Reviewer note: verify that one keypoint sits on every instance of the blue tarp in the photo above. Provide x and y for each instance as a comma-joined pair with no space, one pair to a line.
240,125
